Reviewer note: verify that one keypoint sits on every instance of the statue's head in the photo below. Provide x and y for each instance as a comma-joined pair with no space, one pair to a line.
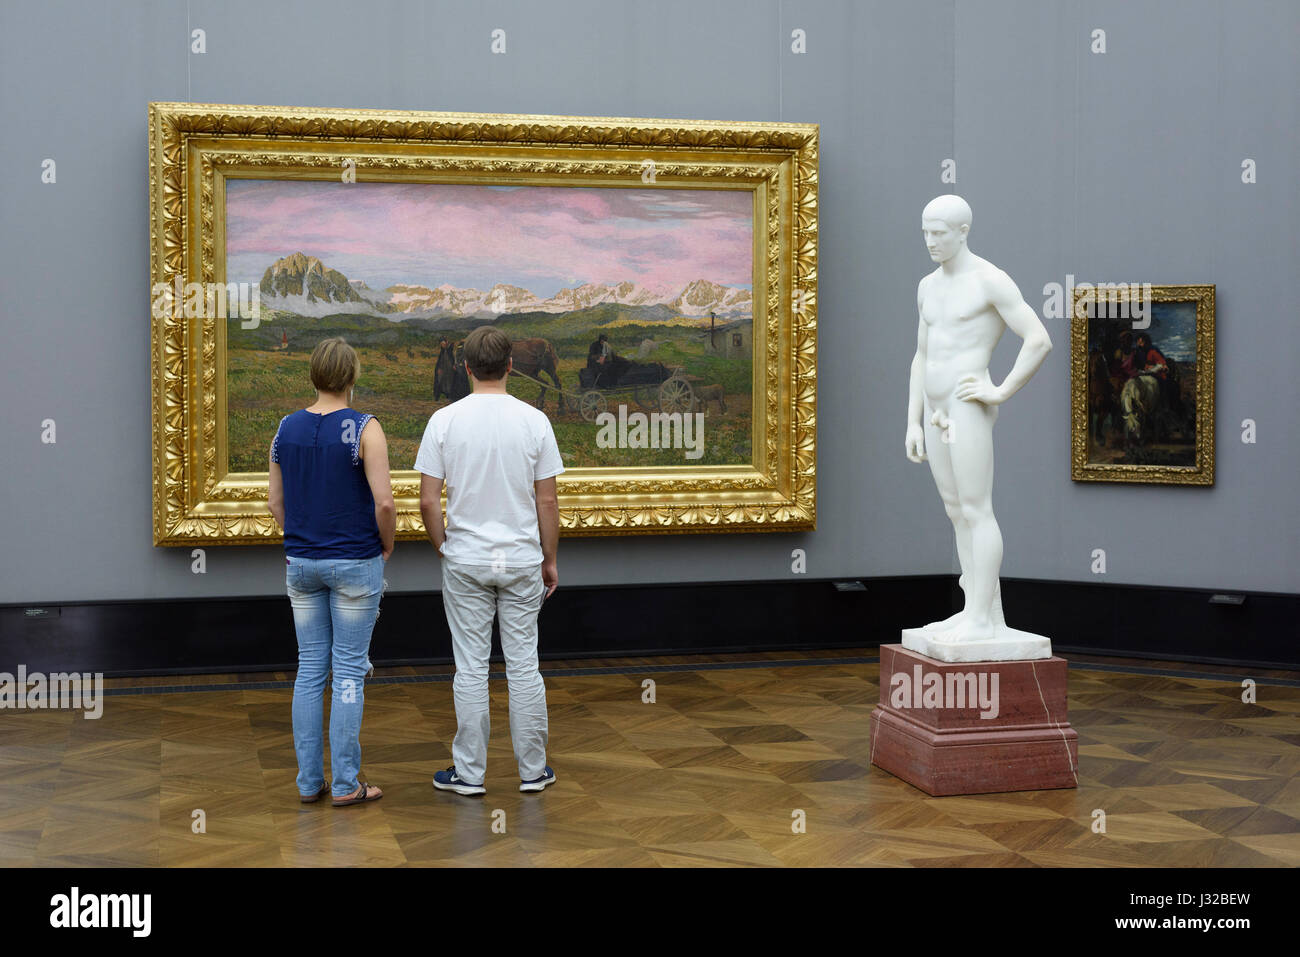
945,221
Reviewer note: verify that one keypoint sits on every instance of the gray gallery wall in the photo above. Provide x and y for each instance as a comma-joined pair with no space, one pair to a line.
1116,166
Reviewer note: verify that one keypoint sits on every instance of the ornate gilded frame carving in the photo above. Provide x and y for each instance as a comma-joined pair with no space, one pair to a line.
1202,472
193,148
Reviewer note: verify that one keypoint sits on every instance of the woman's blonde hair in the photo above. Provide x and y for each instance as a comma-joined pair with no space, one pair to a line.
334,366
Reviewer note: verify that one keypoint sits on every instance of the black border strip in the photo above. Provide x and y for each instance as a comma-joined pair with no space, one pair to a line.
255,634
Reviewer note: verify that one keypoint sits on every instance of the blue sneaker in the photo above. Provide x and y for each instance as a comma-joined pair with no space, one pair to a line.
449,780
537,784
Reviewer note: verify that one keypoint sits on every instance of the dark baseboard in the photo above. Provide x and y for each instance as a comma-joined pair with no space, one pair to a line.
234,635
1168,624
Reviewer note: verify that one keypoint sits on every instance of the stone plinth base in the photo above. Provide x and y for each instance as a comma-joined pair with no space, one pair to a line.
973,727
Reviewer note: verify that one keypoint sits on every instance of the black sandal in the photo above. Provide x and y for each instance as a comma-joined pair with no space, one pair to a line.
361,799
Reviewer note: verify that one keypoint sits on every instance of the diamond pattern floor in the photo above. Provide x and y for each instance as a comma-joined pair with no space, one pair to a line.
714,773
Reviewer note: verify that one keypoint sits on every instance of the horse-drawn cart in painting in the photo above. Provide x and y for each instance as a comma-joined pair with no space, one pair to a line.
652,385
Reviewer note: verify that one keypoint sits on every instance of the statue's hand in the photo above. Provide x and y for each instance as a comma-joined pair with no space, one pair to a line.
915,443
973,388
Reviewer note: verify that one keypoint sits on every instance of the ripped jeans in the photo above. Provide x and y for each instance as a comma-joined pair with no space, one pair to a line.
335,604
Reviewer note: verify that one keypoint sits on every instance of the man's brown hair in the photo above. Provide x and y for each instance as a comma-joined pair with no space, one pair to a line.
334,366
487,350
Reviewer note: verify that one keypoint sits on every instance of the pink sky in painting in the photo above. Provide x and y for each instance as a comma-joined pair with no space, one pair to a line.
542,238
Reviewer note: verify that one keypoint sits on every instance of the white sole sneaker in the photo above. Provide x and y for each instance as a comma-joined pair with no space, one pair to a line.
527,786
469,790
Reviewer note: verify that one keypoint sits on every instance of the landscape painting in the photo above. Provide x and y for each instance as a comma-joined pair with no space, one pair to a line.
1144,388
657,279
628,308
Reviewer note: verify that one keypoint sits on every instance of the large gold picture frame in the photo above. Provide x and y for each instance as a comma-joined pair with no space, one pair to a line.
1147,419
194,149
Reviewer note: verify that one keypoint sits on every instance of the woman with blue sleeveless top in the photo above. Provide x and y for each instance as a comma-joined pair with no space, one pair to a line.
331,493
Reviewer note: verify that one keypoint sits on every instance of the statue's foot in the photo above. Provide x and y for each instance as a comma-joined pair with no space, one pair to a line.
970,629
948,624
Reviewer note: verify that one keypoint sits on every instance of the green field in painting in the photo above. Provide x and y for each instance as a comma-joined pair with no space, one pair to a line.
266,382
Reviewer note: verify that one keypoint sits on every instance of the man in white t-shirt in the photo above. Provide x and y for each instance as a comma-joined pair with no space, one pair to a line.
498,458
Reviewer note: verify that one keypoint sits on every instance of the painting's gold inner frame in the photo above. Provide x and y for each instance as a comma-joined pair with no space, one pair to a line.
1202,472
195,149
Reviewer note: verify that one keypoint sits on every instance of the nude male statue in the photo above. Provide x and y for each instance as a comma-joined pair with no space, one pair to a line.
965,305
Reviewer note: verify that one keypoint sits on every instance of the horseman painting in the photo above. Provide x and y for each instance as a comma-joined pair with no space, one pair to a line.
1140,403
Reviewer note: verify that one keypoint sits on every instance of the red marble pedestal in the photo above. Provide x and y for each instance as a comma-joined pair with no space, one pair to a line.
973,727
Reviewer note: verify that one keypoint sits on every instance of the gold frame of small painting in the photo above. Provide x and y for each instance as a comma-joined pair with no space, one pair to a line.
1142,384
196,149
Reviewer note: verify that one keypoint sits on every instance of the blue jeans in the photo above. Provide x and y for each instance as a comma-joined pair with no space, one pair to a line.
335,604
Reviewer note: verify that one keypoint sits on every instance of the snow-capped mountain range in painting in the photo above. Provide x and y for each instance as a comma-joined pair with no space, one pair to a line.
302,284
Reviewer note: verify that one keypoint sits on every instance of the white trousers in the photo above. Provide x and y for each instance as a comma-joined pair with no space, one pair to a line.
471,596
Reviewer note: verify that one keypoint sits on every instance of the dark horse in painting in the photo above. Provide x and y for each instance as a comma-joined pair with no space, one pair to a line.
532,357
444,370
459,375
1103,396
449,375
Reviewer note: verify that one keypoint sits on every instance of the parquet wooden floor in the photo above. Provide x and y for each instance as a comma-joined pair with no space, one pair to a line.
713,773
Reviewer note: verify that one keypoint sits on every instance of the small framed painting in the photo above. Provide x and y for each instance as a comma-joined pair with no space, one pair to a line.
1142,384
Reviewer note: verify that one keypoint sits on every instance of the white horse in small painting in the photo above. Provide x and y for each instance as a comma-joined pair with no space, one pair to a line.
1141,403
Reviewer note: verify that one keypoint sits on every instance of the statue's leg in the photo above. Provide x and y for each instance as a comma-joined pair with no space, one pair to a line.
937,452
971,451
962,531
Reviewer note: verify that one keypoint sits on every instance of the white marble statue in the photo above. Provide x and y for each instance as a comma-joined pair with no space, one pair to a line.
965,305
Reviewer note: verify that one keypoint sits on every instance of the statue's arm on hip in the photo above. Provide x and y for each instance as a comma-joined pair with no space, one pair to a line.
1004,296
